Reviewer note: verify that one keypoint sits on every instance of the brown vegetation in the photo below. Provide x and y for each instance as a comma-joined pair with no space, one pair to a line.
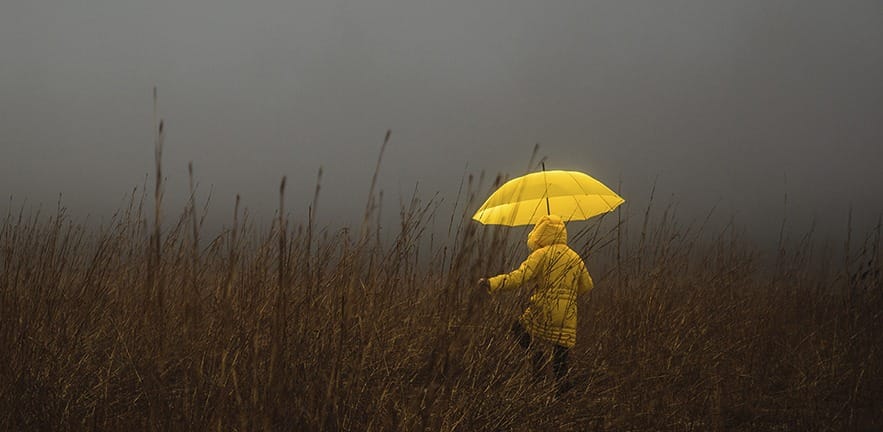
296,328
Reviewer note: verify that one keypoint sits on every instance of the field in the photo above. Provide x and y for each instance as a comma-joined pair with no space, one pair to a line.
141,324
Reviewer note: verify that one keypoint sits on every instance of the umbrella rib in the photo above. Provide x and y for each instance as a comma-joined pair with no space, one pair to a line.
586,193
586,215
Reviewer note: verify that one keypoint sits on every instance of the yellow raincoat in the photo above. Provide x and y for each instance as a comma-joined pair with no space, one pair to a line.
559,275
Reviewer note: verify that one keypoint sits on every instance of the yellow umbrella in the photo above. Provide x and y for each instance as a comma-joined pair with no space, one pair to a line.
570,194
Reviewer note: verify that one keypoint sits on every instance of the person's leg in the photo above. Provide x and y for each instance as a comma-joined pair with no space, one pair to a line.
524,340
521,335
559,362
559,366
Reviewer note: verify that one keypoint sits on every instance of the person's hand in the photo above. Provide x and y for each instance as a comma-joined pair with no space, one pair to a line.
484,284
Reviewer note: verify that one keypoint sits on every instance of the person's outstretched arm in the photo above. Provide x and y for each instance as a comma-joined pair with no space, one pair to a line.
524,273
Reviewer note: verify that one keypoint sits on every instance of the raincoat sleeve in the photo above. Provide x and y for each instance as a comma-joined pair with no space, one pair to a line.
585,281
524,273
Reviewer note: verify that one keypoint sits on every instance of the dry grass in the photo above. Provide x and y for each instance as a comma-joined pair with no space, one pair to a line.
295,328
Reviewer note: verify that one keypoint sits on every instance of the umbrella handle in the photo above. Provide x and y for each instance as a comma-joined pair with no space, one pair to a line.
548,207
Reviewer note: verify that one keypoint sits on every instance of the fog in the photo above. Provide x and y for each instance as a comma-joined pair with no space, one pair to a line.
731,105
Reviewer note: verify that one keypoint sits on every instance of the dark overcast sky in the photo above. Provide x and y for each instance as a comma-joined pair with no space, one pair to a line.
727,103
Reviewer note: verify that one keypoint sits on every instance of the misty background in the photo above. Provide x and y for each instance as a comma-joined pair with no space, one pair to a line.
726,104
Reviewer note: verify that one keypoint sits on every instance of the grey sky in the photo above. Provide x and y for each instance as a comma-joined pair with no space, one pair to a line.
722,101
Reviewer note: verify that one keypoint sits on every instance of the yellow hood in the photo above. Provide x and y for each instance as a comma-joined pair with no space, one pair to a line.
548,231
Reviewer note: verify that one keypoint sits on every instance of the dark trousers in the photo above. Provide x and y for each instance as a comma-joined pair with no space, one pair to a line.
559,354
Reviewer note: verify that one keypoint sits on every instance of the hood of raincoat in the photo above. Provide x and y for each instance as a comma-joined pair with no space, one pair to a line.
548,231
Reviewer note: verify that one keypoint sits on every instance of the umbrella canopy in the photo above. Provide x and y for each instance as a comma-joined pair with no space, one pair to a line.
570,194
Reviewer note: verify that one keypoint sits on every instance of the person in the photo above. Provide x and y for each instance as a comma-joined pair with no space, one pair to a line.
559,275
